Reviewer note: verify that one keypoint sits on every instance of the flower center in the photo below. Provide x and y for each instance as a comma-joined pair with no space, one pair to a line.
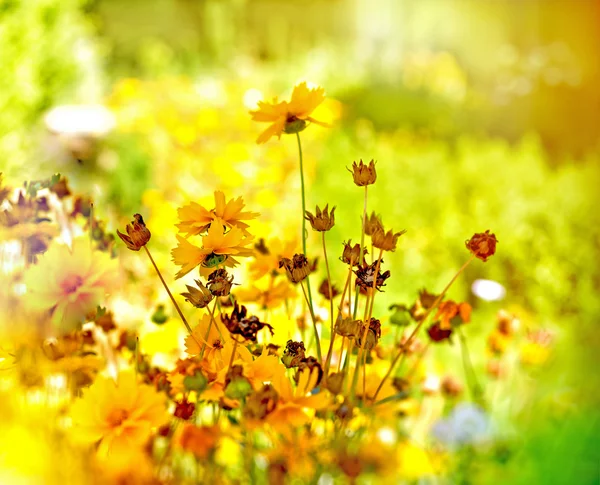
217,344
71,284
116,417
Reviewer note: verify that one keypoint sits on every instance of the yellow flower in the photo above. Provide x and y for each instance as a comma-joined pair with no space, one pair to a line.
195,219
217,249
70,283
266,259
118,415
292,404
289,117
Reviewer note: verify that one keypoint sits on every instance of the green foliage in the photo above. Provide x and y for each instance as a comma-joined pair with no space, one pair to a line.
46,53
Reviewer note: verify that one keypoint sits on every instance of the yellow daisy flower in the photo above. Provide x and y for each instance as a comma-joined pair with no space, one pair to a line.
289,117
217,249
196,219
118,415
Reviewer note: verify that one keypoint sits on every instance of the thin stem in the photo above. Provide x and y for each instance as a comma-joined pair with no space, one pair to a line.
328,280
333,334
367,320
470,376
235,344
341,354
314,321
413,334
187,325
212,320
304,233
364,227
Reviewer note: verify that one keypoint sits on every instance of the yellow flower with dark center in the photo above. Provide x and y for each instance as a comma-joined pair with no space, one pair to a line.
196,219
118,415
217,249
323,220
289,117
70,282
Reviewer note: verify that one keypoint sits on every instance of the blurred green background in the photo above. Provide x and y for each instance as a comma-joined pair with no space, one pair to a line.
480,115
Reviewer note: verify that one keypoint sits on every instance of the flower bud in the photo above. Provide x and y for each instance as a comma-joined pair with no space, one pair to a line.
334,382
482,245
237,386
137,233
196,382
363,174
160,316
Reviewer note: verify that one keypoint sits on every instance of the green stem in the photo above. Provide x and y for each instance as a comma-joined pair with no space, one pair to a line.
187,325
471,378
304,233
314,321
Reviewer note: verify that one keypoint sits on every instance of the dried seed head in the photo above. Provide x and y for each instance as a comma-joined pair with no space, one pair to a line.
138,234
219,282
366,274
200,296
334,382
261,403
347,327
324,290
323,220
373,335
351,254
363,174
238,323
482,245
184,409
372,224
386,240
293,354
297,268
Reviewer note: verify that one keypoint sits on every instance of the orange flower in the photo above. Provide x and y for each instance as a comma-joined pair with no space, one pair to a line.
217,249
195,219
289,117
118,415
449,310
70,282
200,440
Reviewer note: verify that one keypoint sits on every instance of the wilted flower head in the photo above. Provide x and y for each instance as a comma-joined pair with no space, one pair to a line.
351,254
200,296
261,403
365,276
348,327
386,240
138,234
219,282
296,268
372,224
363,174
289,117
239,323
482,245
293,354
324,290
438,334
373,334
323,220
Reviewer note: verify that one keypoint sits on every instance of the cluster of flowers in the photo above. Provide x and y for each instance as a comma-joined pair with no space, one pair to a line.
234,403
